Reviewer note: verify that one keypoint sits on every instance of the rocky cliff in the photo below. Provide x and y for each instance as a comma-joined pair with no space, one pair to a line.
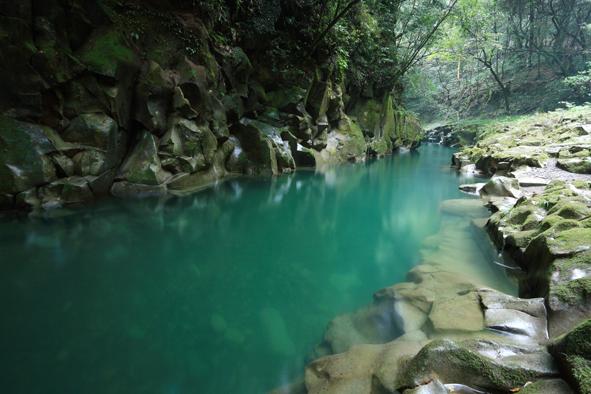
133,99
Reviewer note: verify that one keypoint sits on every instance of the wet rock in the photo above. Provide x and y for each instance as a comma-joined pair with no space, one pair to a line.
486,364
28,199
191,144
23,156
143,165
64,166
189,183
370,325
101,184
66,191
362,369
318,94
516,323
123,189
492,299
469,208
304,157
501,187
457,313
258,147
89,162
97,130
433,387
153,98
345,144
473,188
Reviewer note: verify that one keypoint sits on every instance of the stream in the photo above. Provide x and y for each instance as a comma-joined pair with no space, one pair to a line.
224,291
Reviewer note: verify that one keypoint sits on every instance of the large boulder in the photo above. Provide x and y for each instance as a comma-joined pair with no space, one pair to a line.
153,98
576,165
24,160
187,147
573,352
65,191
258,147
485,364
364,369
372,324
500,186
143,166
104,143
107,52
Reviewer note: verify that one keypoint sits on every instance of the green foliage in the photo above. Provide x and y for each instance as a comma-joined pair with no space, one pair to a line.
506,56
581,82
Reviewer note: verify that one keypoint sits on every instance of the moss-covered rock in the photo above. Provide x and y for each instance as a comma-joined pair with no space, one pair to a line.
576,165
573,350
470,363
143,165
106,52
23,156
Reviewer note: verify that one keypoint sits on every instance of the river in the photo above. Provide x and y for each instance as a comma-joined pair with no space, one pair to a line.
224,291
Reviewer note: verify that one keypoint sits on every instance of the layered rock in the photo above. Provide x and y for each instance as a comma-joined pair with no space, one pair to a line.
130,100
455,336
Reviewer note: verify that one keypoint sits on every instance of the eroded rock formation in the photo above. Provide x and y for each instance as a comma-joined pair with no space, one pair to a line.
124,98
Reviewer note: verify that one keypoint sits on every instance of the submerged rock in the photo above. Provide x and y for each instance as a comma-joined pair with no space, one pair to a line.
362,369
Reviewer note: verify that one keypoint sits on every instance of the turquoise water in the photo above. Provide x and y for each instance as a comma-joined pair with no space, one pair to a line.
225,291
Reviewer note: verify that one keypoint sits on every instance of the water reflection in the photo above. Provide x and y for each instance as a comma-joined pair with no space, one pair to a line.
224,291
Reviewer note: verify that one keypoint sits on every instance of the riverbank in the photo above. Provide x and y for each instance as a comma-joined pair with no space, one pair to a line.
457,334
142,99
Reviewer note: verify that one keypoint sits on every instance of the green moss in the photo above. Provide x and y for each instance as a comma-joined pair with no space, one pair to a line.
573,292
105,51
570,209
457,362
522,238
570,240
581,373
557,223
519,214
577,342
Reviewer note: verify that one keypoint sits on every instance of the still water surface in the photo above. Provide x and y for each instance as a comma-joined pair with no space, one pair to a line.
225,291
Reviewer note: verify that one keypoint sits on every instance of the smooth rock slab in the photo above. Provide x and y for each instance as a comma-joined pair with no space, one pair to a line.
433,387
359,370
486,365
516,322
460,313
501,186
493,299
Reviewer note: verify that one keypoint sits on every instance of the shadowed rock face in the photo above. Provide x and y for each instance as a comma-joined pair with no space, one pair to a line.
146,101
